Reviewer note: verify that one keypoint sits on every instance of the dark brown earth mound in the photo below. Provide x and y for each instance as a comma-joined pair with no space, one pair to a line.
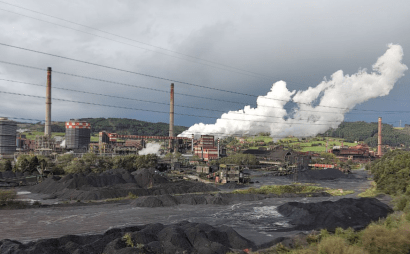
184,237
114,184
344,213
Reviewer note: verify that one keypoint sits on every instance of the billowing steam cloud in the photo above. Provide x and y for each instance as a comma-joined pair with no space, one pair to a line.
151,148
316,109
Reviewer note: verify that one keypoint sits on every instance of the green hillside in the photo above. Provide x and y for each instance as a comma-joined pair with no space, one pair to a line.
367,132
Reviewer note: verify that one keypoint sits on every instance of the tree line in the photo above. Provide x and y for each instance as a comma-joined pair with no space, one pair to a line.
126,126
89,162
121,126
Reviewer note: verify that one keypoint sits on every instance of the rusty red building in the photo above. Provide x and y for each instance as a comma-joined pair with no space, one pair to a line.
206,148
361,151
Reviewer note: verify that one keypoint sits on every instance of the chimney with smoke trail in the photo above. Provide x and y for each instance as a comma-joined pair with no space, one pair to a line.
47,128
379,143
171,118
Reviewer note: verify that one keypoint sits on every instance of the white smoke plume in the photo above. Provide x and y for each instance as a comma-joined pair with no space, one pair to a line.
151,148
317,108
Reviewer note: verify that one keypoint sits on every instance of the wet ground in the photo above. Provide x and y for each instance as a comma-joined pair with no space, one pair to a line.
258,221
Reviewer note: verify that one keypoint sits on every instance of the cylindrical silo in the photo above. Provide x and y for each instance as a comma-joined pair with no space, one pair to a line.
77,134
7,136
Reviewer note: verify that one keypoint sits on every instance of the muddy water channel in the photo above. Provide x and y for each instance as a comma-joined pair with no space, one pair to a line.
258,221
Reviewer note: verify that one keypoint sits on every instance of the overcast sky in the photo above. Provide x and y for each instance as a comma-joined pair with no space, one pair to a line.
238,46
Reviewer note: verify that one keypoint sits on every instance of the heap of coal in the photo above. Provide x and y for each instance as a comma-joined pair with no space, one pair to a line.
184,237
116,183
344,213
323,174
11,179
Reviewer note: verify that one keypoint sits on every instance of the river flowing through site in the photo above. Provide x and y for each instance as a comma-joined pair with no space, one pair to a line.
258,221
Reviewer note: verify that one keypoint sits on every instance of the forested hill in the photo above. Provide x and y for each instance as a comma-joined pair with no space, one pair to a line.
131,126
367,132
116,125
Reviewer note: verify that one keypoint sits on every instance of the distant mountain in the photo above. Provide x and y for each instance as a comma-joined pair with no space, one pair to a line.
122,126
367,132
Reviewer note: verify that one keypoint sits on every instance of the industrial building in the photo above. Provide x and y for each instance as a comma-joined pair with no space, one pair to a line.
361,151
8,131
77,135
281,159
131,144
206,148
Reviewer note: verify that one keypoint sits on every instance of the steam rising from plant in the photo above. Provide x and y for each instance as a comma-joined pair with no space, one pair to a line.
316,109
151,148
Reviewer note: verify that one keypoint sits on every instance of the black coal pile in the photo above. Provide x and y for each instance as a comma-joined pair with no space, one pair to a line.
184,237
9,179
116,183
324,174
213,199
10,174
344,213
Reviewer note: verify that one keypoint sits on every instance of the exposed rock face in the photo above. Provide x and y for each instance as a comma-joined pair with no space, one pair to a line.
344,213
184,237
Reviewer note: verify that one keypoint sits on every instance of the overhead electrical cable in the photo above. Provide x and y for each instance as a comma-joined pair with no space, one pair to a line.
167,79
165,91
162,103
254,74
155,111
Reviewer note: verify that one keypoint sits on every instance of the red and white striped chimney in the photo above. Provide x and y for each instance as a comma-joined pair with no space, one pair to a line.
379,143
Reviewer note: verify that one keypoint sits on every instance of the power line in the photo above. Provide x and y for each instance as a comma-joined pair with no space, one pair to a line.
119,83
132,72
29,119
167,79
154,111
128,44
147,44
126,98
152,89
183,94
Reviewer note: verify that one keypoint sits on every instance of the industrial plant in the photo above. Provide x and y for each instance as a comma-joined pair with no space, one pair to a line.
78,140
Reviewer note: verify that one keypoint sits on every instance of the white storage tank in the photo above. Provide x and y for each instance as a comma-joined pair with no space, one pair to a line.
77,134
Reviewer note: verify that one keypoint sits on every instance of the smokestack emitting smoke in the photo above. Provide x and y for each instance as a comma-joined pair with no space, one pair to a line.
171,117
47,128
379,143
317,108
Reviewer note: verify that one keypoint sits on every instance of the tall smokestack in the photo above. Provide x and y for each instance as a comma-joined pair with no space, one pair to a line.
171,117
47,128
379,146
218,148
192,144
